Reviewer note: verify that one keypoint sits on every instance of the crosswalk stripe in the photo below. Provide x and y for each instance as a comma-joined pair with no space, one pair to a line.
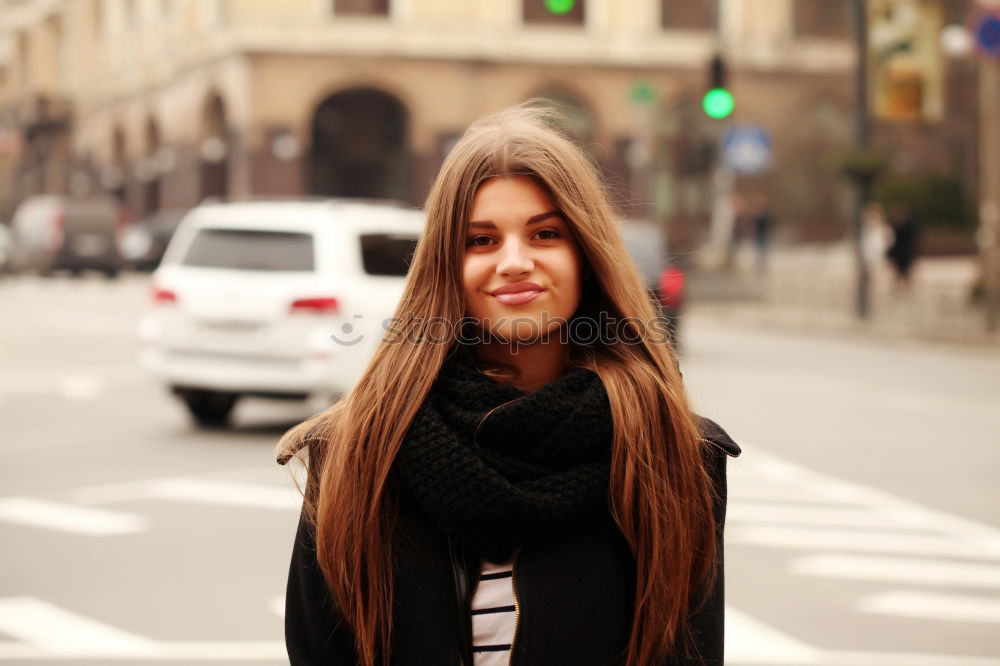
80,387
69,517
933,606
44,631
864,541
58,631
228,493
836,491
277,606
898,570
186,489
748,641
172,651
854,658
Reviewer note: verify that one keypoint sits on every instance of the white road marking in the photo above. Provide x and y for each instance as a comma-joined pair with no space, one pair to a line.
932,606
849,658
763,513
68,517
43,631
189,489
277,606
858,540
58,631
254,495
238,651
819,486
80,387
751,642
898,570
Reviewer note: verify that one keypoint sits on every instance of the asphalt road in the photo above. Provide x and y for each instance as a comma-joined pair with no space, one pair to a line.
864,523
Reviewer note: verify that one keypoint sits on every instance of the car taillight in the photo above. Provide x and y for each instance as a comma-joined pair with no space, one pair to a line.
315,305
163,296
672,287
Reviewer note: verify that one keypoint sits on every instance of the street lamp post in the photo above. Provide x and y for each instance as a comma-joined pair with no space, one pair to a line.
988,236
862,183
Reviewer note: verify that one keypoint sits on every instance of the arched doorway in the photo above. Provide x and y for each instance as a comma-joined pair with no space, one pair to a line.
214,150
358,146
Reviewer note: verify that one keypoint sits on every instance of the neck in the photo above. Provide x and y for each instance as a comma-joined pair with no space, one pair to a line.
537,364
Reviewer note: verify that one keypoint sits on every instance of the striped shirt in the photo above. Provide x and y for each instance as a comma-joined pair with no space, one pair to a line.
493,614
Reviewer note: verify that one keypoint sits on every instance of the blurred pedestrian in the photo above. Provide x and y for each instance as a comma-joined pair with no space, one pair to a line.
737,227
877,234
522,491
761,221
902,252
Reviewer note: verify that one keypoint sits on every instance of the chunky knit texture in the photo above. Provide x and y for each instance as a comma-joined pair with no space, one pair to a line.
493,479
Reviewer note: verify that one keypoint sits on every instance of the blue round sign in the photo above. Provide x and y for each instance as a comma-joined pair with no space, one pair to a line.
986,31
747,149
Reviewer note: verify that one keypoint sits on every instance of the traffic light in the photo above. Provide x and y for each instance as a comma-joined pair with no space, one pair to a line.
718,102
559,6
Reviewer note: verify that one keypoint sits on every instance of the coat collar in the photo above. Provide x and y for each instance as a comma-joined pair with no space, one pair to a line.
714,433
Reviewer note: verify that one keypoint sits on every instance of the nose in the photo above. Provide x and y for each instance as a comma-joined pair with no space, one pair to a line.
514,260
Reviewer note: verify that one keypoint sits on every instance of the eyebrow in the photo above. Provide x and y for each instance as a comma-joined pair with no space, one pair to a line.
534,219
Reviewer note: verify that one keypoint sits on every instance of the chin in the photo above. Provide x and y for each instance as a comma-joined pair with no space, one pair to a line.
526,329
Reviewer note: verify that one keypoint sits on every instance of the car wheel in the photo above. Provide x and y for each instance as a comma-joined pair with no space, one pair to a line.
210,408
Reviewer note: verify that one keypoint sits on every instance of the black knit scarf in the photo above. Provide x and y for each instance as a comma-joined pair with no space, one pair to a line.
537,462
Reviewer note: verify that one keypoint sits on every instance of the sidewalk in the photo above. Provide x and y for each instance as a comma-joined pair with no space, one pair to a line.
812,287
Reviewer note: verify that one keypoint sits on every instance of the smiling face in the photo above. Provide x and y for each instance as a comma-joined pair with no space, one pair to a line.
522,265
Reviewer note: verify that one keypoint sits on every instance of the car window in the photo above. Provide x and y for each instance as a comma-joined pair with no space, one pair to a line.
387,254
251,250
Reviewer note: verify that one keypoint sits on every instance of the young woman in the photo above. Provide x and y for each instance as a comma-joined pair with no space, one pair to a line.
517,478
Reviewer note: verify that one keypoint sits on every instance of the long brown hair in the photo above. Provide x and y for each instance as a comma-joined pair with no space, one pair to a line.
660,494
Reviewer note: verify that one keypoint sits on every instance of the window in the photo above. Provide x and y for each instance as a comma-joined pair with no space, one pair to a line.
251,250
386,254
688,14
822,18
361,7
553,12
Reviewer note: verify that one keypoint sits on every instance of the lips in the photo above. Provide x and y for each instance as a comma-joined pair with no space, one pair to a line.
518,293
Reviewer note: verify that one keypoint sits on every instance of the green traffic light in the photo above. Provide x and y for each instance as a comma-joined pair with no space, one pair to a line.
718,103
560,6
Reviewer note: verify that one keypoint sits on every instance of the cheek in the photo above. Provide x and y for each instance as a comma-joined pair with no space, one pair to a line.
573,275
471,279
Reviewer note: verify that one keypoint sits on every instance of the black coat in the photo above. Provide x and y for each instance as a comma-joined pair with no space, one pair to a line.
575,589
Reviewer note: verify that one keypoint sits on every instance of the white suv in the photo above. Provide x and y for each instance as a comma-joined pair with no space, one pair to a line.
276,299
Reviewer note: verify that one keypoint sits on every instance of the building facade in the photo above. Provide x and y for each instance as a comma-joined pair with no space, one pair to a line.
167,102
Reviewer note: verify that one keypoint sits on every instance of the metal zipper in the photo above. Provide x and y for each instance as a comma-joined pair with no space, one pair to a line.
517,607
464,601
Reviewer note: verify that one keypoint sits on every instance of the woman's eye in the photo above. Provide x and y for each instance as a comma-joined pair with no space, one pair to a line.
477,240
548,234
